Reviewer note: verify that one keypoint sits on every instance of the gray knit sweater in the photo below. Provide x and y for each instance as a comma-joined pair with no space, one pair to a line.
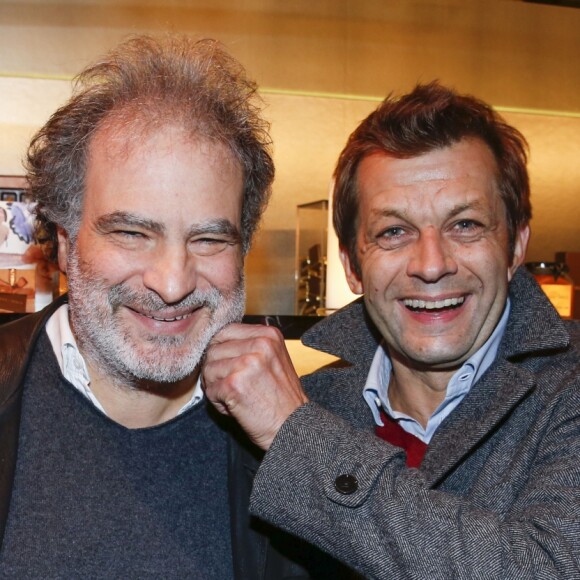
93,499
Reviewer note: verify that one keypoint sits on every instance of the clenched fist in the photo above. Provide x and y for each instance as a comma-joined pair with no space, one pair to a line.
248,374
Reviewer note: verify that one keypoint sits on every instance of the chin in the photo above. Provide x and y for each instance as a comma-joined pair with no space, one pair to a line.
161,367
436,358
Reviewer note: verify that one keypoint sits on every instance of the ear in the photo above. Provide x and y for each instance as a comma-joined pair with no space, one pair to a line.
520,248
63,248
354,282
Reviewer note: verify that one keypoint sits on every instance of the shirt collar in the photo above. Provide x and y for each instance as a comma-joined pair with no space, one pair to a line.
72,364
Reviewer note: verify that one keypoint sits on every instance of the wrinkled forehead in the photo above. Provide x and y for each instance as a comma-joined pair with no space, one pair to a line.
469,160
129,130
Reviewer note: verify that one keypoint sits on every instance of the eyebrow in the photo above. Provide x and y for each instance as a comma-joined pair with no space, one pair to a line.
403,215
123,219
219,226
389,213
463,207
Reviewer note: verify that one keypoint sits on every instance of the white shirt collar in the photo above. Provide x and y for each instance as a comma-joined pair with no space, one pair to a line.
72,363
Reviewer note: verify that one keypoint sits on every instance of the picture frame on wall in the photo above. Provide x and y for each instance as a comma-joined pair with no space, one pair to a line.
17,279
13,188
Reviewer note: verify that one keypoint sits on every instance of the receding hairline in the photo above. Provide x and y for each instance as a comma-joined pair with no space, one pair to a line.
128,129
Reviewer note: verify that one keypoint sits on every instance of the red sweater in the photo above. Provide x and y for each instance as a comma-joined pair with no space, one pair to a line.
394,434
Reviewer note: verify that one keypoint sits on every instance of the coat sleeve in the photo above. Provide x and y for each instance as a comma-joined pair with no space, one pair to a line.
391,524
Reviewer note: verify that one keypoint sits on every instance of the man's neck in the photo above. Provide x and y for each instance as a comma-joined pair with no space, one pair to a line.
139,405
417,393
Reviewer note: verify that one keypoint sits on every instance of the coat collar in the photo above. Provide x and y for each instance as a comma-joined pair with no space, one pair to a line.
17,341
534,325
348,334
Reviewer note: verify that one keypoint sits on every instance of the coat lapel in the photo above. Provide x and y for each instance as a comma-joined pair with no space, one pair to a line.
333,389
533,327
249,546
9,429
350,335
486,406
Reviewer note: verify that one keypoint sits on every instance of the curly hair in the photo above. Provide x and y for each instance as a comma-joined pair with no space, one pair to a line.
431,117
151,82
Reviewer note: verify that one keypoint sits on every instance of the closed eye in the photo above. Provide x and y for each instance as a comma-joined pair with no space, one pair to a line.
128,239
129,236
129,233
208,246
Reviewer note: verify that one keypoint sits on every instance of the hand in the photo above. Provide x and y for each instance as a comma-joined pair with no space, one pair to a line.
248,374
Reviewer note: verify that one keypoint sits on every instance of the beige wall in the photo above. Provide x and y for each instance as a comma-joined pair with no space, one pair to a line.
509,52
318,61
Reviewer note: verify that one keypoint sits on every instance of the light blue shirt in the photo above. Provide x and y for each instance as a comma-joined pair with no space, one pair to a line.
376,389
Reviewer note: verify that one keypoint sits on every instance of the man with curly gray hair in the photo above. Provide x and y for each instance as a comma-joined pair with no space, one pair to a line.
149,183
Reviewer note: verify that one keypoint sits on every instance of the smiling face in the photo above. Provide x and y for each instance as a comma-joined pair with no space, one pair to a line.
156,268
433,251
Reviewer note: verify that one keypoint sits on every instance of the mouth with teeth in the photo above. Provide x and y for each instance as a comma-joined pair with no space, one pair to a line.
433,305
166,319
166,322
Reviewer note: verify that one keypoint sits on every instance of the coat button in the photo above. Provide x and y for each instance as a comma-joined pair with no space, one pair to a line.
346,484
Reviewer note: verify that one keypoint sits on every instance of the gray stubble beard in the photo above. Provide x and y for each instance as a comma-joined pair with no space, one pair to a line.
103,340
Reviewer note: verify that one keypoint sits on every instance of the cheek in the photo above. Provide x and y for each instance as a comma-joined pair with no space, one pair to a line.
377,289
224,272
498,266
486,260
380,271
109,267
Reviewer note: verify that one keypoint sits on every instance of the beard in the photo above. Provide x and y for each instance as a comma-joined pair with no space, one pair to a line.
129,355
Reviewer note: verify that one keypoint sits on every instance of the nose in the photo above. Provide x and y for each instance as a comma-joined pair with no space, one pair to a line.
170,273
432,258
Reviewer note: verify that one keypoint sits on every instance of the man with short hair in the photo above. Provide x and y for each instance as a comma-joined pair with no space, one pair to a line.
149,184
445,443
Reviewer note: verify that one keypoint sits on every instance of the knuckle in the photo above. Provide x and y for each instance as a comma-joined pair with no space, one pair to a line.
234,383
273,333
268,340
250,361
261,343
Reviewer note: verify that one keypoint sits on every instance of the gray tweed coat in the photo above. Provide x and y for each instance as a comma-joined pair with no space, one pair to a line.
498,493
